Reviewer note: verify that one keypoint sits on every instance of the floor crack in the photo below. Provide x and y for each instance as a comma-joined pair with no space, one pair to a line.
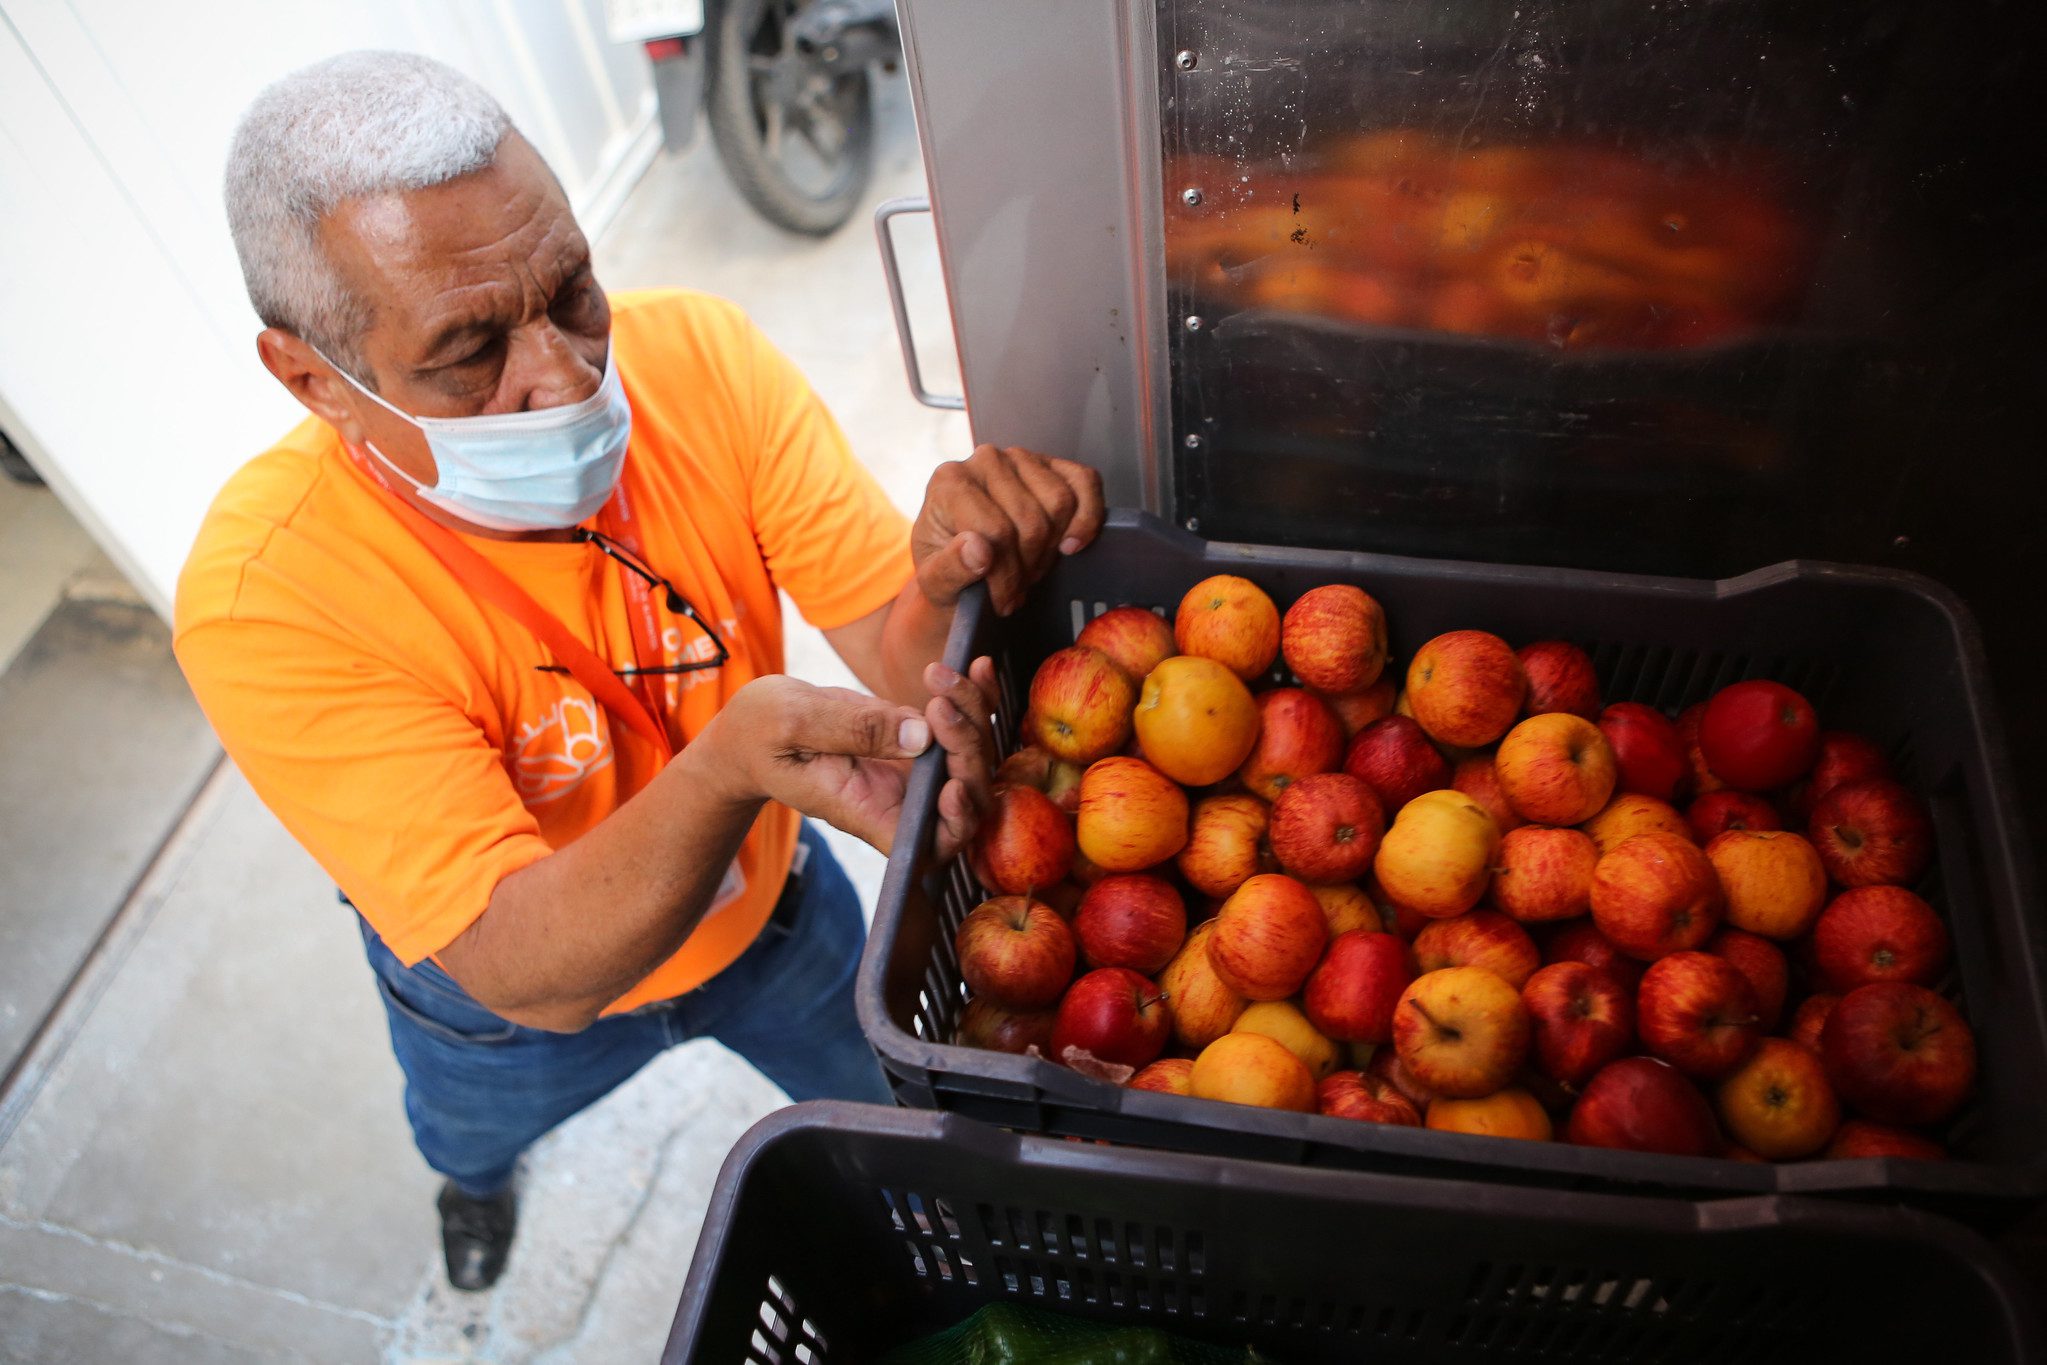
184,1330
220,1277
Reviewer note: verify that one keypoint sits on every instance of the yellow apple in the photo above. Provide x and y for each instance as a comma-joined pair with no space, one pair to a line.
1438,856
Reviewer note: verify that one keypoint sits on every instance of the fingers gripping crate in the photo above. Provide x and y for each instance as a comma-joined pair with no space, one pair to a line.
839,1231
1884,653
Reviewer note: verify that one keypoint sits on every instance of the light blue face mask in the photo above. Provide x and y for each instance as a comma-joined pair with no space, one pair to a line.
524,471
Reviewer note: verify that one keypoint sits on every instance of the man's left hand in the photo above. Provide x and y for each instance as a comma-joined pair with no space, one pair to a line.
1003,515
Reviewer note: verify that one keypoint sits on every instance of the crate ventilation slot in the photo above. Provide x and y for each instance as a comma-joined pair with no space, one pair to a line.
783,1335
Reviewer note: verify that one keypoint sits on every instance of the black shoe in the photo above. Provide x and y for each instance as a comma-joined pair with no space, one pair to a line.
476,1235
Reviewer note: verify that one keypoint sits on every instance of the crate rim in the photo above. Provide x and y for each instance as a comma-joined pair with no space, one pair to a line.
1505,1159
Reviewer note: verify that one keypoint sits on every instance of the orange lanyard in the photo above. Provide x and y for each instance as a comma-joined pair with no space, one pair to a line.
637,710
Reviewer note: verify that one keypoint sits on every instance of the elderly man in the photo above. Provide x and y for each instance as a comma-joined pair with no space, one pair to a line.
495,632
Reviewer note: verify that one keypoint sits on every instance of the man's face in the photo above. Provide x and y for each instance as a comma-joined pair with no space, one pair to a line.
480,300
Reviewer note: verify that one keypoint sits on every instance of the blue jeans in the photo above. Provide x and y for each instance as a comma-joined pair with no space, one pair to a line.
480,1089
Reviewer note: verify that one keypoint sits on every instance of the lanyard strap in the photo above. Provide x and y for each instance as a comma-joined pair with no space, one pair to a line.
639,599
485,580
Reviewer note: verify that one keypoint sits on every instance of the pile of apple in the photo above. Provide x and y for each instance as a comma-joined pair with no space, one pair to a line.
1473,904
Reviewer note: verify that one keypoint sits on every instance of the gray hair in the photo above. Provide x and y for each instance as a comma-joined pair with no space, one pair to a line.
362,123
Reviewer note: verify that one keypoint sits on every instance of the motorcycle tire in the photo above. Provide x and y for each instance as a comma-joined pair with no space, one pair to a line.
738,125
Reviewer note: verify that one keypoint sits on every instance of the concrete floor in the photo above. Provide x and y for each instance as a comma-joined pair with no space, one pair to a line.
217,1167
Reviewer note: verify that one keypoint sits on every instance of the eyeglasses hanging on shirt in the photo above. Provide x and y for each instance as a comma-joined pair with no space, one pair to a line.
672,598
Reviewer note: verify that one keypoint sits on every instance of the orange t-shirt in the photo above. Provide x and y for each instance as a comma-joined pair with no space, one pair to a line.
401,729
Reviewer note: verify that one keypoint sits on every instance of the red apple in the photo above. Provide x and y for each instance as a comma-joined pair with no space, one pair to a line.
1015,951
1758,735
1872,832
1465,687
1809,1020
1560,678
1778,1103
1717,812
1655,894
1226,844
1024,843
1131,920
1860,1138
1402,920
1581,941
998,1028
1132,816
1647,748
1879,933
1334,638
1135,639
1033,766
1080,703
1629,814
1581,1019
1202,1006
1230,620
1356,710
1688,720
1326,827
1347,906
1478,779
1555,769
1698,1013
1394,757
1114,1015
1543,874
1639,1104
1351,995
1762,962
1842,757
1268,936
1898,1053
1167,1075
1368,1099
1462,1031
1297,737
1387,1066
1478,938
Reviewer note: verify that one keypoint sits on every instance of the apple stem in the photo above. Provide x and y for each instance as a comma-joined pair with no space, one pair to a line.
1423,1010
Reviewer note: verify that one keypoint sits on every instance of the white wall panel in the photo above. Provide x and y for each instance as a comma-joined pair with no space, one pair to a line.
127,355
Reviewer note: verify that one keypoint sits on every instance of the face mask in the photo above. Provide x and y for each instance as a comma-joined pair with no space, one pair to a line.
523,471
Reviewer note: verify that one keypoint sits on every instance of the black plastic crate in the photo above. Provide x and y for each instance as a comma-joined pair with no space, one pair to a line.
1879,651
838,1231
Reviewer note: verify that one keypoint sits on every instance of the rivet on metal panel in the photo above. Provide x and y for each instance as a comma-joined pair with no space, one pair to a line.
1191,197
1192,440
1194,323
1194,523
1184,60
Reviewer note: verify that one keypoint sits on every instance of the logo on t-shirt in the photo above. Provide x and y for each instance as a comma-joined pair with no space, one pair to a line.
553,755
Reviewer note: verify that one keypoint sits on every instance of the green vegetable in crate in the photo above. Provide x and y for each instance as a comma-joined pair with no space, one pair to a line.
1013,1334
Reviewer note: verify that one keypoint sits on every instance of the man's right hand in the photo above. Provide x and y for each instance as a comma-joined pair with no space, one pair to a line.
843,757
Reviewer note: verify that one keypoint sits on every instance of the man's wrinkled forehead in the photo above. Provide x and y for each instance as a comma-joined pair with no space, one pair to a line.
488,245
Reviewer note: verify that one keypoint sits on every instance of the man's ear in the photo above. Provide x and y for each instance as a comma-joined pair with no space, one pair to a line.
311,380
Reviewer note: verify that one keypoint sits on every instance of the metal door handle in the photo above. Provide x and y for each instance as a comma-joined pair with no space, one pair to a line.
882,216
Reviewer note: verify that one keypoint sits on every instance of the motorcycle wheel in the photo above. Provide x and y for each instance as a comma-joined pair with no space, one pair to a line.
796,138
